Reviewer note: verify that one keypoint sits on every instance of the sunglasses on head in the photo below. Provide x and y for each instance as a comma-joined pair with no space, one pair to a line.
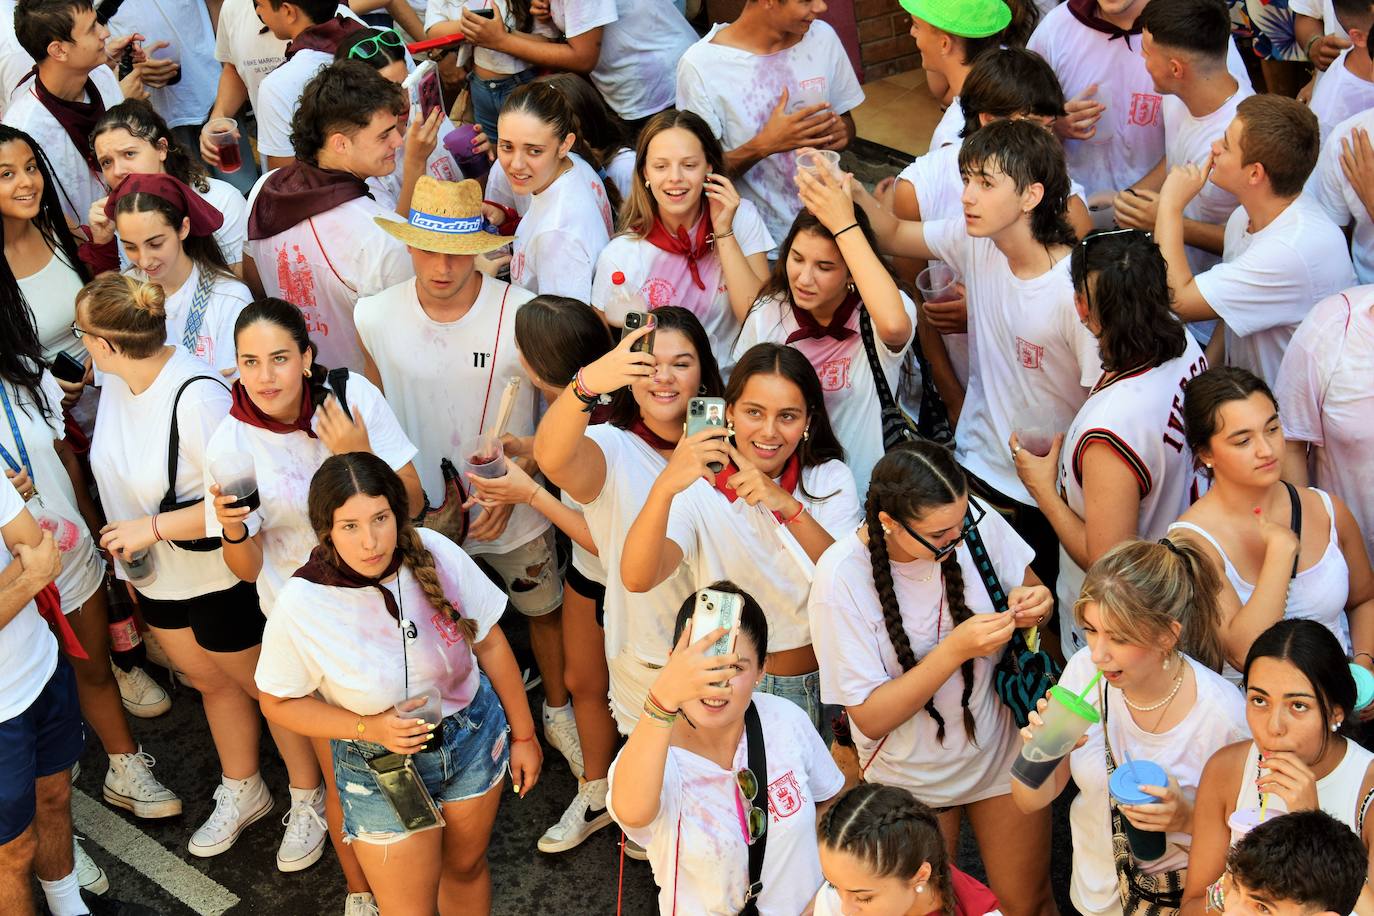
972,517
371,47
753,820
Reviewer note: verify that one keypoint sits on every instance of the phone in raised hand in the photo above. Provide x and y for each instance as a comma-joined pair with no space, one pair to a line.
717,610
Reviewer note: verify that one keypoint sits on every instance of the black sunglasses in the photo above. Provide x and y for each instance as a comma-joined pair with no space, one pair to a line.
972,517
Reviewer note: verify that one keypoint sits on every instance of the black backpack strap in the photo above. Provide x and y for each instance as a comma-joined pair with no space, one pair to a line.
1295,522
338,383
885,399
758,763
174,438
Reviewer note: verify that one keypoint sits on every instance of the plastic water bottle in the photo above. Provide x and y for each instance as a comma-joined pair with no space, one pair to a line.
624,300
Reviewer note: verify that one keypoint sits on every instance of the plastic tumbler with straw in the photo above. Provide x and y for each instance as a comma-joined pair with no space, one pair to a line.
1066,718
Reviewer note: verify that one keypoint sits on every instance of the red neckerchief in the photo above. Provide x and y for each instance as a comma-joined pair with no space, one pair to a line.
77,118
651,438
693,248
325,36
322,570
294,193
244,409
49,602
791,477
971,896
809,328
1085,11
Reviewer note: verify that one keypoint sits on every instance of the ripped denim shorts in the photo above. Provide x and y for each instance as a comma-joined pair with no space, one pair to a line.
474,757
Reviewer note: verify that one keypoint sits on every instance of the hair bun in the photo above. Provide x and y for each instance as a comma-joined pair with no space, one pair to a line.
150,298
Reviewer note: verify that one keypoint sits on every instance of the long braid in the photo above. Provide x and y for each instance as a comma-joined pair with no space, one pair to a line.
953,574
421,563
887,597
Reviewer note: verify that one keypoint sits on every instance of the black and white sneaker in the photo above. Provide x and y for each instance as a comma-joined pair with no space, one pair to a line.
586,815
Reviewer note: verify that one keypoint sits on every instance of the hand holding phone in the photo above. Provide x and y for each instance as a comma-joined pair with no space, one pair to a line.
68,368
717,610
633,321
623,366
706,413
692,674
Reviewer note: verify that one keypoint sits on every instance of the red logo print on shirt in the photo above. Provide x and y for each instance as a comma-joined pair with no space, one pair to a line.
784,796
447,628
658,292
1030,354
296,282
834,374
1145,109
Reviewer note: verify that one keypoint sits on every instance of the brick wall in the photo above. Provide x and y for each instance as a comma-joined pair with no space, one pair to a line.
884,42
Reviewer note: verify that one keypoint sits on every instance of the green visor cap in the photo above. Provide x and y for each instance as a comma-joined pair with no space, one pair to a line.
965,18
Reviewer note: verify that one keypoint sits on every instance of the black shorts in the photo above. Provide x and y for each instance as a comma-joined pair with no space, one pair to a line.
587,588
227,621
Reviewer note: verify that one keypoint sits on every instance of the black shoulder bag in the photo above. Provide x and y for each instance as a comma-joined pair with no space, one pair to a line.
758,765
1022,676
337,379
169,500
933,424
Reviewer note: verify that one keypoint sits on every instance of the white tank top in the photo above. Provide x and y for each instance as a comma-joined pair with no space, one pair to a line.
1317,593
1338,792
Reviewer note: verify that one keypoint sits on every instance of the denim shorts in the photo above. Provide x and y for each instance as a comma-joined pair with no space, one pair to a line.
474,758
44,739
489,95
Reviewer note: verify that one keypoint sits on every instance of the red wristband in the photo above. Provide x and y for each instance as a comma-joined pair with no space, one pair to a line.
156,536
801,507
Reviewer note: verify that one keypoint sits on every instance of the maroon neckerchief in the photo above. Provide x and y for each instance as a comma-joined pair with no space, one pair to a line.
244,409
809,328
294,193
325,36
651,438
1085,11
791,477
77,118
693,248
322,570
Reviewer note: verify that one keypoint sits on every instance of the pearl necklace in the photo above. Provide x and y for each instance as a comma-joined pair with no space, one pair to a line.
1178,682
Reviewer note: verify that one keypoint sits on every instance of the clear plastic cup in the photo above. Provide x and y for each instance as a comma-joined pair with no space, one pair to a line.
236,476
223,133
814,160
428,706
1124,786
808,94
937,283
486,458
1036,427
138,568
1066,719
1114,112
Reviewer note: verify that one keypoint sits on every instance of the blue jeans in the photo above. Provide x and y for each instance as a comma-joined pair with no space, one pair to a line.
489,95
805,691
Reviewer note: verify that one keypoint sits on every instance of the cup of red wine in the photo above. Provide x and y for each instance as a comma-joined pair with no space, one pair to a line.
937,283
486,458
236,476
224,135
1035,430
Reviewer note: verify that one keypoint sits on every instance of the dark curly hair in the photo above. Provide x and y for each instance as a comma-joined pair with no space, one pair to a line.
1027,154
342,97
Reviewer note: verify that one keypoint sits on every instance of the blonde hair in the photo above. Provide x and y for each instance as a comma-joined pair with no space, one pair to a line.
1142,588
129,313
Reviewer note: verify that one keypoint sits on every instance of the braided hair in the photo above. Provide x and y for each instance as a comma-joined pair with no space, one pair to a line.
909,481
891,833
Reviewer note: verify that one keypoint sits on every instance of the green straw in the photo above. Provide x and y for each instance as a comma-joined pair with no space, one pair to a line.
1091,683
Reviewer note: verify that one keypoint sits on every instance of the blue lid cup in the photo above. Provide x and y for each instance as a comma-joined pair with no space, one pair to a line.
1364,686
1124,786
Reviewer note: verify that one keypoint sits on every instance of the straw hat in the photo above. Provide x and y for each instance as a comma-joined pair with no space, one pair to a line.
965,18
445,217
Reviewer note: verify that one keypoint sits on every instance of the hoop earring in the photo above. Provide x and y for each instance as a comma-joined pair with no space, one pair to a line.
701,390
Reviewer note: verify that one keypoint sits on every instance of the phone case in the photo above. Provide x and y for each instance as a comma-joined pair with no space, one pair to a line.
634,320
404,790
704,413
716,609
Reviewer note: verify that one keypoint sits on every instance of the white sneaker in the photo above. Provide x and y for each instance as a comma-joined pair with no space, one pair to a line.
233,812
141,694
90,876
130,784
306,830
560,729
586,815
361,905
634,851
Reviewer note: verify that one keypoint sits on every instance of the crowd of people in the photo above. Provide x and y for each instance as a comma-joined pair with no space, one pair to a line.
838,518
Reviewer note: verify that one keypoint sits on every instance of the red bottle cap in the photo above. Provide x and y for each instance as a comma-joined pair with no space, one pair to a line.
618,278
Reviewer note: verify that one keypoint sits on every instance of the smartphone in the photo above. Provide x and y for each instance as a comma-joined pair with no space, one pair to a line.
634,321
486,14
716,610
126,60
423,86
68,368
704,413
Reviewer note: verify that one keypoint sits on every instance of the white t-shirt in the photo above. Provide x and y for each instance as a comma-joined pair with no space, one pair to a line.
735,92
185,26
342,642
51,295
240,40
1130,134
285,464
642,622
27,645
419,358
78,186
560,236
747,545
662,278
696,844
1330,189
851,398
233,234
1324,10
129,460
857,658
214,341
439,11
1189,139
15,62
325,264
1139,416
1027,348
1339,94
1216,720
1325,389
641,43
1270,280
54,508
621,171
279,95
946,132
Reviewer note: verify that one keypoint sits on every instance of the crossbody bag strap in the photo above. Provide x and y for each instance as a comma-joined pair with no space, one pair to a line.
758,763
195,316
337,380
174,436
885,399
1295,522
983,563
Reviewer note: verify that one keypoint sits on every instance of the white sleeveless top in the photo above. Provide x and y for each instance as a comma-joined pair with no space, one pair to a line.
1317,593
1338,792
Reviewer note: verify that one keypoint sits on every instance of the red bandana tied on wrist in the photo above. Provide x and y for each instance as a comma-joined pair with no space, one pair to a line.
791,477
651,438
692,248
808,328
49,602
244,409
